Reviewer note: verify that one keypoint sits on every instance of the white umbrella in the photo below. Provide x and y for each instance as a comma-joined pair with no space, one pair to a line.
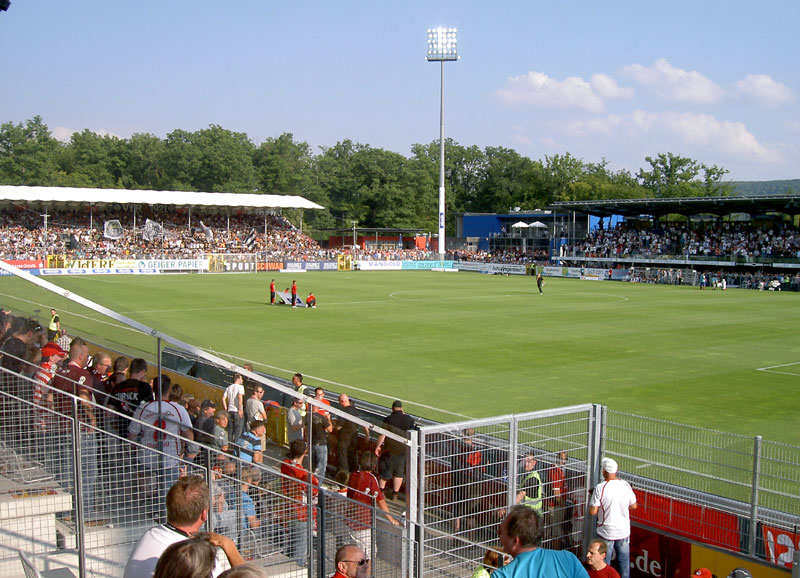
520,225
538,225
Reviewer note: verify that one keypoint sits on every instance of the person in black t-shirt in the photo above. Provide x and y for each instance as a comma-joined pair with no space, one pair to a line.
392,465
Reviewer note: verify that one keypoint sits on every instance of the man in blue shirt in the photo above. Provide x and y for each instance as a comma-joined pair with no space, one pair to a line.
520,534
249,445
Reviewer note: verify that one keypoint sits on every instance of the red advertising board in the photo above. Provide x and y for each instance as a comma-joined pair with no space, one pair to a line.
26,263
697,522
780,545
659,556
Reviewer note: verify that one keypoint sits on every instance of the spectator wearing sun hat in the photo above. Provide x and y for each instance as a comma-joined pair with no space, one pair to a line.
703,573
613,499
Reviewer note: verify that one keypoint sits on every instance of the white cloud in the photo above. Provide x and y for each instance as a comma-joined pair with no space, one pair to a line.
538,89
791,125
522,140
63,133
602,125
702,129
671,83
606,87
763,91
700,132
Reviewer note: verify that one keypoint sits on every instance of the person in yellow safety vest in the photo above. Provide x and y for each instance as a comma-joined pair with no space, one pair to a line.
54,327
529,484
297,381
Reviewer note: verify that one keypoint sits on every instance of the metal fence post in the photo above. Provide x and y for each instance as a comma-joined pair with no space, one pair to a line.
373,538
309,529
594,445
511,466
416,517
77,487
212,515
751,548
796,564
321,522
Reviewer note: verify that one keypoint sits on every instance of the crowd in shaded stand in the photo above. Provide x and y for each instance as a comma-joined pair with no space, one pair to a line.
729,239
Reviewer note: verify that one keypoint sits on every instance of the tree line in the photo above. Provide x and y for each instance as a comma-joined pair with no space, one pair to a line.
353,181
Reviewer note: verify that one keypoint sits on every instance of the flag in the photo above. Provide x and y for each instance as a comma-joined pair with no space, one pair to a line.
250,241
207,230
112,230
151,230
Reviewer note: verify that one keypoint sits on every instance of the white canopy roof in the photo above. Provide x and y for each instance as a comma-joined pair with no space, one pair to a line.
538,225
520,225
126,196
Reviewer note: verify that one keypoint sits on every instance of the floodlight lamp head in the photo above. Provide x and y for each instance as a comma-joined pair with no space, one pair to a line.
442,44
4,4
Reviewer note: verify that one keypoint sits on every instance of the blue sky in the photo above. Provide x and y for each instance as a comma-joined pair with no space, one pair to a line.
717,81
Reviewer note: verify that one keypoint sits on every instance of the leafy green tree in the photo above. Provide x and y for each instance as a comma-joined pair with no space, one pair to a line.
146,155
675,176
504,180
210,160
28,154
283,166
712,181
92,160
561,171
464,171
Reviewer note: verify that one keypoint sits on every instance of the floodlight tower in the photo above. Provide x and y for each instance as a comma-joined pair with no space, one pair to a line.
442,48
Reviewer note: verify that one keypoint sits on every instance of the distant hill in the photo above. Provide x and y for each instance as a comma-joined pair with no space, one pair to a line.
764,188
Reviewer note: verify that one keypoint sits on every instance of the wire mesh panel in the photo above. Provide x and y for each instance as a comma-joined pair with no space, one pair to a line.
472,472
690,457
718,488
779,477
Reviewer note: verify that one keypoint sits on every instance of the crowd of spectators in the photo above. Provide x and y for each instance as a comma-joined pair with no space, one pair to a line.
78,235
728,239
128,480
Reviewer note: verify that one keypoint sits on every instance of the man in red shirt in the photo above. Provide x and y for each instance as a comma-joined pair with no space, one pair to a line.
272,292
557,505
74,380
294,293
363,487
297,493
596,561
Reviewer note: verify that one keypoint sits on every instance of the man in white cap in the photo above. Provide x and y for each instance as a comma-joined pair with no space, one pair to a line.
613,499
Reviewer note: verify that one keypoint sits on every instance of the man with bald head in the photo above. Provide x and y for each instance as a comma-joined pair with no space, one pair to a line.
351,562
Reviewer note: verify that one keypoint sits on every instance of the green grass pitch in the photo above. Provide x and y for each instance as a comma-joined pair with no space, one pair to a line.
463,344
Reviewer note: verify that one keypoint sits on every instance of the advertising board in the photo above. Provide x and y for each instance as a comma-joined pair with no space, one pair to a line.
491,268
380,265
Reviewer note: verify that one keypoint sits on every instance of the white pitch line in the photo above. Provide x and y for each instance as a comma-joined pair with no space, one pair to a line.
781,365
772,369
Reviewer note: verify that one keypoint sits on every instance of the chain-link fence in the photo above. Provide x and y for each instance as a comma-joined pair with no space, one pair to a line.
472,472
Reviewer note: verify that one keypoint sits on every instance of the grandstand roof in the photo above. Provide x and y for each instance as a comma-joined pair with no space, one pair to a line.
753,205
136,197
